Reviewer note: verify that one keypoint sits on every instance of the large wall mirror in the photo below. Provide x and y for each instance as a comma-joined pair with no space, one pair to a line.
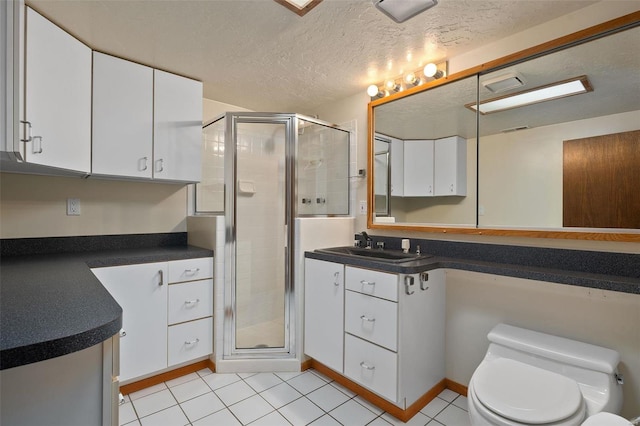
518,155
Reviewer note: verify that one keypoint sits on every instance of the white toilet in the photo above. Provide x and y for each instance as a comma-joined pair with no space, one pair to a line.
532,378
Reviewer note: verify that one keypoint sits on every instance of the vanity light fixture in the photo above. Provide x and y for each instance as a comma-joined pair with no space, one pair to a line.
401,10
558,90
411,79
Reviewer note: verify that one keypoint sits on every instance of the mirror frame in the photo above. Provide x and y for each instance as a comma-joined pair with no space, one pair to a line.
601,30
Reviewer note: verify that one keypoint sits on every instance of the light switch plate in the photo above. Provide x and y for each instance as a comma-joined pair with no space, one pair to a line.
363,207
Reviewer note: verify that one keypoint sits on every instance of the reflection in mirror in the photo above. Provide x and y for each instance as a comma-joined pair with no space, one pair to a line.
568,162
431,140
382,167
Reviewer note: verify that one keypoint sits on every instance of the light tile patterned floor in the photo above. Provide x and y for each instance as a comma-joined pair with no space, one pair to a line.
272,399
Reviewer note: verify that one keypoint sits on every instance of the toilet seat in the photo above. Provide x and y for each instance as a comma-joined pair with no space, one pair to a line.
547,398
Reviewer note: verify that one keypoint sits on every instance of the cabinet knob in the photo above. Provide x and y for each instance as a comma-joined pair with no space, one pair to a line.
122,333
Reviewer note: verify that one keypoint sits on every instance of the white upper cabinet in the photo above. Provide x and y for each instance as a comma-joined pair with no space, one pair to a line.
450,166
397,167
57,97
177,105
418,168
122,117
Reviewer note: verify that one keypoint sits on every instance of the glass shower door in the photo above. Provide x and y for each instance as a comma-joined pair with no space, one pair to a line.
261,290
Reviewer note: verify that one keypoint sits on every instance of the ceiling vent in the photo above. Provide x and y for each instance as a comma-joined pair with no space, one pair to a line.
505,82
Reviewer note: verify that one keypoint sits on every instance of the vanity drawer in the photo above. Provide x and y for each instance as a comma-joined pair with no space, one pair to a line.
190,340
372,319
190,300
374,283
371,366
190,269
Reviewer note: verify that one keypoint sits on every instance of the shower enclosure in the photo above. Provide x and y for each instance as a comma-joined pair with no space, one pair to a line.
263,170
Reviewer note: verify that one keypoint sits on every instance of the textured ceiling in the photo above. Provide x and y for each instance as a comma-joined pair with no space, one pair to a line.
259,55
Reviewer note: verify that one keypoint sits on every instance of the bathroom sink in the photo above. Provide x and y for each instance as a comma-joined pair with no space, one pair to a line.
388,256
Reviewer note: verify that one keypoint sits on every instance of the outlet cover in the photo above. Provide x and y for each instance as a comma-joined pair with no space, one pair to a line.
73,206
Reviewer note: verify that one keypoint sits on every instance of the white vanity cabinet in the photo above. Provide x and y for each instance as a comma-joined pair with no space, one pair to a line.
324,312
167,313
190,308
56,126
122,117
392,324
141,291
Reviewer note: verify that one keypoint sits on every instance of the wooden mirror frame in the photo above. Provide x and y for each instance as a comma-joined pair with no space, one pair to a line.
597,31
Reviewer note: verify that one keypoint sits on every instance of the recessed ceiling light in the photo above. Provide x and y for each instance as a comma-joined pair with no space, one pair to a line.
401,10
300,7
560,89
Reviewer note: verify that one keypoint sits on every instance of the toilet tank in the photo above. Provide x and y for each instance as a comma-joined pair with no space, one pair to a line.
593,367
560,349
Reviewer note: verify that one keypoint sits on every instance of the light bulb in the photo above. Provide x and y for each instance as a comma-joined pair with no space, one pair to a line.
391,86
372,91
412,79
431,70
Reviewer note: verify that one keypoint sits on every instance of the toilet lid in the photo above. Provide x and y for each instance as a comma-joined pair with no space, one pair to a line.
524,393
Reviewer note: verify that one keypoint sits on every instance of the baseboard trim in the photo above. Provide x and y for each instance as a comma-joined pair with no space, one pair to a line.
305,365
168,375
395,411
456,387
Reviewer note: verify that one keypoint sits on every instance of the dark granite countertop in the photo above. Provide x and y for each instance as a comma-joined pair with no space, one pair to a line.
51,304
532,269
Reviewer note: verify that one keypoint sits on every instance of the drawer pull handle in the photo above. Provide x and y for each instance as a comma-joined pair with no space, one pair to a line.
365,282
191,271
161,272
193,342
191,303
365,318
367,366
336,277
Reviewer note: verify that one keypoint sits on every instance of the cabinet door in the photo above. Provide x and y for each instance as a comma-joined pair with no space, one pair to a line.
418,168
122,117
57,97
177,138
141,290
324,312
450,166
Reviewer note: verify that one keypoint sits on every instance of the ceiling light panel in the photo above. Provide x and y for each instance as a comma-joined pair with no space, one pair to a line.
401,10
558,90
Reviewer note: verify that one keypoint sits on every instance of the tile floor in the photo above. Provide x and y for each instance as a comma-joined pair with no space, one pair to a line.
271,399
